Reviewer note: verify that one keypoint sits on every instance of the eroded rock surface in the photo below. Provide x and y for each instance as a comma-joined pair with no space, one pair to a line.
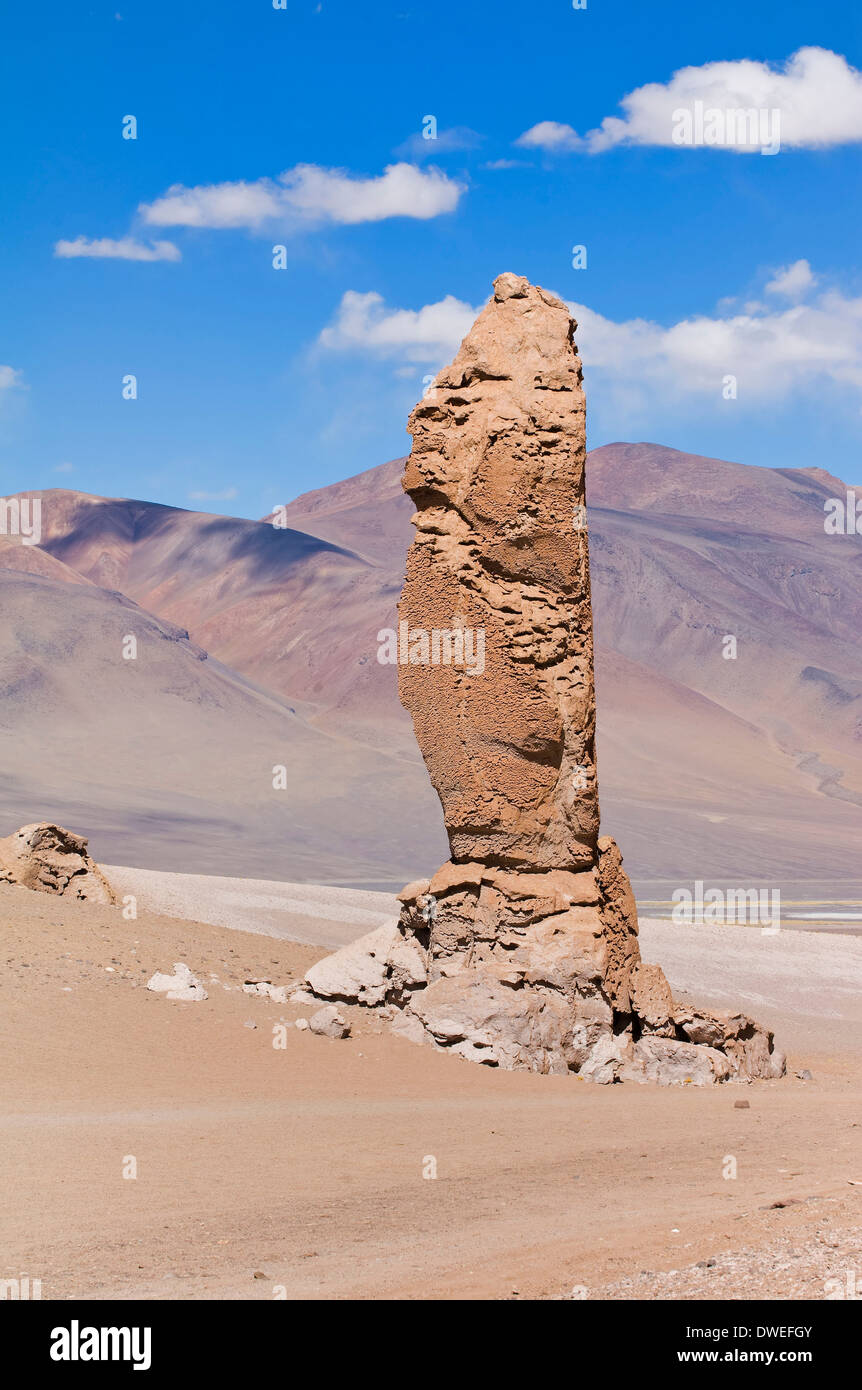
50,859
522,950
497,476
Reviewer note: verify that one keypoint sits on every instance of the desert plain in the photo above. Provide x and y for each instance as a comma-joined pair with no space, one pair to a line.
369,1167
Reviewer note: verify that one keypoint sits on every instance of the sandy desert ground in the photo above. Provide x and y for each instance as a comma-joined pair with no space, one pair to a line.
298,1172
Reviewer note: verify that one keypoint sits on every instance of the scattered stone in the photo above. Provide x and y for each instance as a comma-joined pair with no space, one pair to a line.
301,1024
805,1075
49,859
742,1105
329,1023
249,1023
266,990
181,985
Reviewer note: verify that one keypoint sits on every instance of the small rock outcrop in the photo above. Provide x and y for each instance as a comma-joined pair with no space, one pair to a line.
522,950
50,859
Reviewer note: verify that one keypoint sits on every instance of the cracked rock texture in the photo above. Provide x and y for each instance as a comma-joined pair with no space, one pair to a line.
52,860
522,950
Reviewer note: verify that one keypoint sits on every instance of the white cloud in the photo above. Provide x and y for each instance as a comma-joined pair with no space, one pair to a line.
430,334
224,496
64,468
308,194
9,377
792,281
770,351
816,91
444,142
126,249
214,205
507,164
553,136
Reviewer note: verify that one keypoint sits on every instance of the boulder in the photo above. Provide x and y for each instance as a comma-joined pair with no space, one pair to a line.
49,859
328,1023
381,964
674,1063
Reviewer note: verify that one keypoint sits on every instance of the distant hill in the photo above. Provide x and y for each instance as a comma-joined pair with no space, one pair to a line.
747,769
166,759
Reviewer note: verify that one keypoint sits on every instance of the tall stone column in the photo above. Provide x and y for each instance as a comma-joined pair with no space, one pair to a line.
522,950
497,476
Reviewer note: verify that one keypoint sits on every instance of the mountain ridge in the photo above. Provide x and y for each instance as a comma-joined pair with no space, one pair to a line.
724,759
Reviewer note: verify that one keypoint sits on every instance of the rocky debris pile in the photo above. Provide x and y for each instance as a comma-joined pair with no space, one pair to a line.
49,859
522,951
181,985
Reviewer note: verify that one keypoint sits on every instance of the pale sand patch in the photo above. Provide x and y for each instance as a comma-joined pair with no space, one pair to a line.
304,912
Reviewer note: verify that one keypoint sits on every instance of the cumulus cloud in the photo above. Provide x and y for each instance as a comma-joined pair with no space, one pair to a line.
125,249
9,377
430,334
770,351
817,93
308,194
792,281
553,136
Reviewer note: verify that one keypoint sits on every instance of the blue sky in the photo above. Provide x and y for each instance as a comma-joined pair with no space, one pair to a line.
255,384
